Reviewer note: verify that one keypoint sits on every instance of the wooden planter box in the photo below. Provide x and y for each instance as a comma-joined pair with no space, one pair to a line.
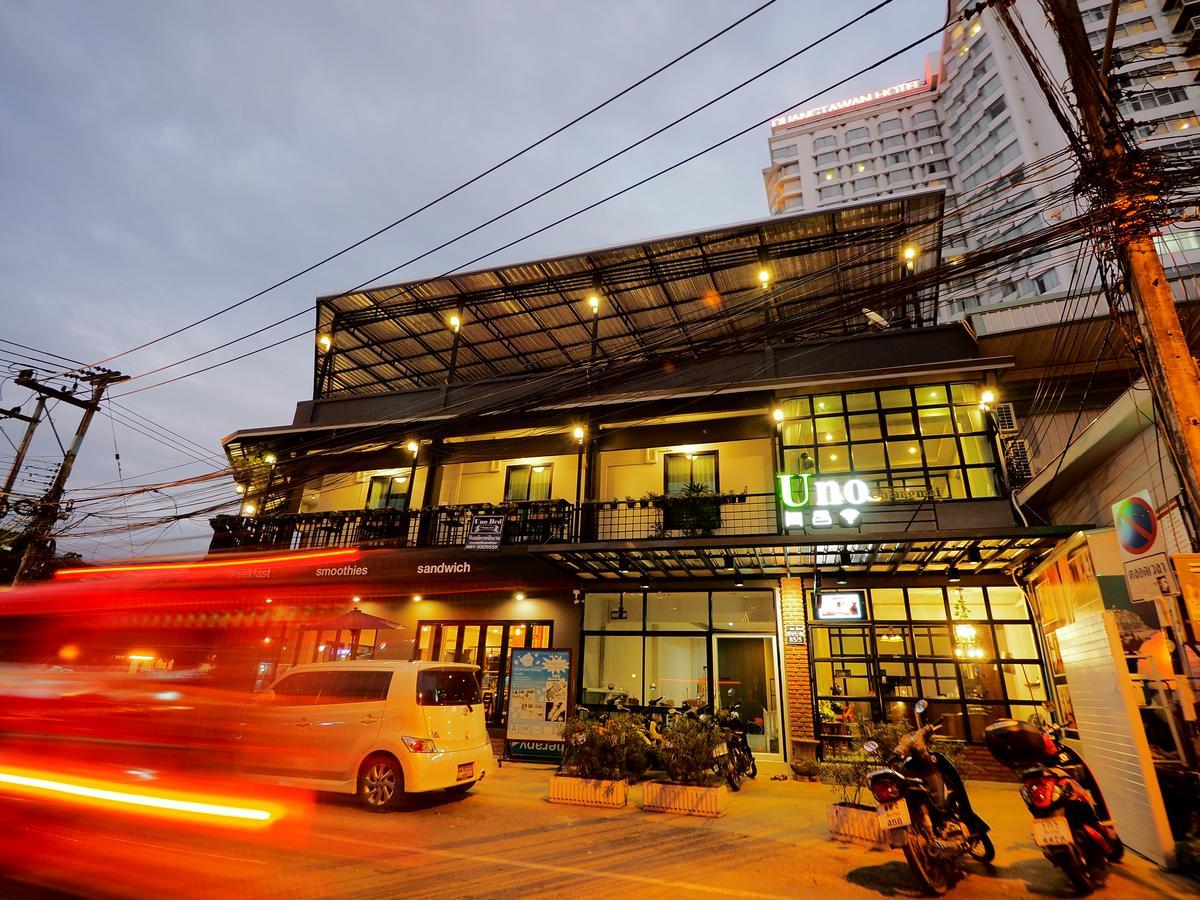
856,823
588,791
685,799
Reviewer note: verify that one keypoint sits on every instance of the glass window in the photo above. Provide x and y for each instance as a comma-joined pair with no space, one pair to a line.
941,452
938,681
964,393
796,407
784,152
675,669
976,450
528,482
447,687
798,432
1008,603
892,640
612,612
684,469
904,455
973,641
829,175
448,652
832,460
857,134
931,395
825,140
612,666
827,403
966,603
865,427
864,400
895,397
743,610
860,150
981,681
951,714
889,125
867,457
935,421
968,418
843,678
926,603
675,611
887,603
932,641
892,141
388,492
1023,681
302,688
838,640
899,424
831,430
983,483
1016,642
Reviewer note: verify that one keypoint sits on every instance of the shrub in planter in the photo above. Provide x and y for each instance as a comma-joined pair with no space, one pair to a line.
687,757
614,750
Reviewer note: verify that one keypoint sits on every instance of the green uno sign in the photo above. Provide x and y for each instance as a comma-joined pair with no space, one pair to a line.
822,503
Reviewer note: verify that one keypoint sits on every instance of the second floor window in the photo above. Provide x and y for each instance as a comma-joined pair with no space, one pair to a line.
388,492
528,482
683,469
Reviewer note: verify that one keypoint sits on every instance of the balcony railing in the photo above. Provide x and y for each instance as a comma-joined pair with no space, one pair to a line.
528,522
547,522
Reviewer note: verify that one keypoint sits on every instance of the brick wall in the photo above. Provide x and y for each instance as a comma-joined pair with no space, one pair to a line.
984,766
798,684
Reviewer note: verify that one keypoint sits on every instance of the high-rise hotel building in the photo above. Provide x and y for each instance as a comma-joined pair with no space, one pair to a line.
978,125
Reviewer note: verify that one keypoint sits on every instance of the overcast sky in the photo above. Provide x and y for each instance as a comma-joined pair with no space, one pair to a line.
160,160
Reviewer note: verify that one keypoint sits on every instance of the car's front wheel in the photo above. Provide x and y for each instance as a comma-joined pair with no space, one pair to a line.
380,783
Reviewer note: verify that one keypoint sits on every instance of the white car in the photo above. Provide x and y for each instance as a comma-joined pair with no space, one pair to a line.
375,729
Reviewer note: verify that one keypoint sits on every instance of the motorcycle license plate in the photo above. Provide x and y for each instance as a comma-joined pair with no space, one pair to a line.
720,750
893,815
1052,832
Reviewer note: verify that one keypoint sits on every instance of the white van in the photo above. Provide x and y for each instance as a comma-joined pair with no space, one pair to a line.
377,729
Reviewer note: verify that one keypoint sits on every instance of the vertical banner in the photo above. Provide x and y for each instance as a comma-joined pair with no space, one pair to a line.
539,683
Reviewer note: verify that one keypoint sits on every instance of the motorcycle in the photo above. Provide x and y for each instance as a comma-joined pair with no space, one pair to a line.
1071,822
924,808
740,763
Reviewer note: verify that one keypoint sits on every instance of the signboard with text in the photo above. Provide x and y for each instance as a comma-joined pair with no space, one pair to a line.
538,694
840,606
484,532
1148,573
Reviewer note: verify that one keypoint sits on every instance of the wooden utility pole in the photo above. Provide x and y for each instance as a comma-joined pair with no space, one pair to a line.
38,548
19,459
1123,184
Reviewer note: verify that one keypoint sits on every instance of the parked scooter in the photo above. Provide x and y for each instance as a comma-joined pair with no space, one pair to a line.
1071,823
924,808
741,758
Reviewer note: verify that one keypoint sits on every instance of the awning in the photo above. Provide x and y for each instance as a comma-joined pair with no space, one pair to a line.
990,552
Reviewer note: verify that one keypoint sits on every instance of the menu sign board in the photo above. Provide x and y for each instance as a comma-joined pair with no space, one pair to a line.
538,690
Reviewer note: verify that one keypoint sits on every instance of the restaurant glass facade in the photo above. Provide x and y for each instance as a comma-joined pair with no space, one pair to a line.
687,648
971,652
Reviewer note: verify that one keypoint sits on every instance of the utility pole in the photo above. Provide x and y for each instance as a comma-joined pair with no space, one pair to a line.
1124,184
37,545
19,459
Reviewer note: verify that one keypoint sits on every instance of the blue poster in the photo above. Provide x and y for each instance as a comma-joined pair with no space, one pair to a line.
538,690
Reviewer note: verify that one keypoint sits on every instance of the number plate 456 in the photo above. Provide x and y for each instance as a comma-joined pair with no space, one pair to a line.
893,815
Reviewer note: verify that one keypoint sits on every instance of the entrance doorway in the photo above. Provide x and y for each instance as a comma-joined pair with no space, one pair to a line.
486,644
746,672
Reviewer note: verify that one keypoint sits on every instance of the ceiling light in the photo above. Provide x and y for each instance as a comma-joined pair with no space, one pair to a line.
738,581
269,459
728,561
952,575
764,276
325,341
594,302
974,554
455,323
539,469
645,583
777,415
578,433
841,578
412,447
844,557
623,565
416,598
249,509
240,488
519,596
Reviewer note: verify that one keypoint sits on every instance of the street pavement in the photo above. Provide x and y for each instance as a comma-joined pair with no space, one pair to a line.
505,840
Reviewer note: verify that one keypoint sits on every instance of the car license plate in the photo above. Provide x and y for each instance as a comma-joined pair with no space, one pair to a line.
466,771
893,815
1052,832
720,750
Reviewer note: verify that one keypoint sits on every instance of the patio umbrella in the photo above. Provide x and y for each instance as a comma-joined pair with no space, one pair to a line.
355,621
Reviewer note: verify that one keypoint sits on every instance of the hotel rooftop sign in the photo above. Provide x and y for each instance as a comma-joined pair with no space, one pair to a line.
896,90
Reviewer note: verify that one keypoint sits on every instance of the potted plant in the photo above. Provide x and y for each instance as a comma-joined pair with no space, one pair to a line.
850,820
600,759
806,769
688,752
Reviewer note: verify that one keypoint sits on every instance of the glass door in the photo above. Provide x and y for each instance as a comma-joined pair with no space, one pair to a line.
746,672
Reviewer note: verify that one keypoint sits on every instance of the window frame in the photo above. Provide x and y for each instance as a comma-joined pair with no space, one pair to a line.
508,470
691,457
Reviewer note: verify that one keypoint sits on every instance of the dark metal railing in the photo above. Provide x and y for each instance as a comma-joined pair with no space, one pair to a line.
552,522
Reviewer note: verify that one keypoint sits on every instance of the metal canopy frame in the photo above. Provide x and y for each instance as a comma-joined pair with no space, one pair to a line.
533,317
871,555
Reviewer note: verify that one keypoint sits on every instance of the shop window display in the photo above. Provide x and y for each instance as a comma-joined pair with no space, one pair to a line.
943,644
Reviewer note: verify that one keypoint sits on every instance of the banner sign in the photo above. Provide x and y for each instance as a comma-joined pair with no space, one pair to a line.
1148,572
484,532
538,693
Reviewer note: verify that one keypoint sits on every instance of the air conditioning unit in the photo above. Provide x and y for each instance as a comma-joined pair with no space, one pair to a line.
1016,458
1006,418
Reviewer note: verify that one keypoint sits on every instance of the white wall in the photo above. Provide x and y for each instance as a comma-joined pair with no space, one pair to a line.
742,465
